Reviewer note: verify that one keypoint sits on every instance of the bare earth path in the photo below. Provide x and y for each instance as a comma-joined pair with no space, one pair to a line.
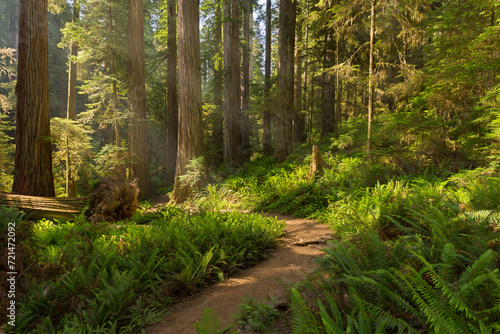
288,263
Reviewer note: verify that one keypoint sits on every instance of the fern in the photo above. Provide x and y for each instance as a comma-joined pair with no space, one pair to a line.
303,321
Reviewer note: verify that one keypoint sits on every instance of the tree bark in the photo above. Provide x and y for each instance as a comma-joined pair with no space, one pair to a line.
298,117
339,90
138,141
33,162
245,82
328,94
267,134
286,47
172,100
370,80
71,189
191,143
218,134
232,88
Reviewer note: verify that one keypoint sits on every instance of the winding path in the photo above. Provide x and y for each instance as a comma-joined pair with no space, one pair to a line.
290,262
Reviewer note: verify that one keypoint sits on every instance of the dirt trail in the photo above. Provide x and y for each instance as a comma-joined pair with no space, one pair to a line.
288,263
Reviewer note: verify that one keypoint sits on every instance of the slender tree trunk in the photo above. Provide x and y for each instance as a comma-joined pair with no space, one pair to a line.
267,134
306,68
339,90
328,94
172,101
232,88
286,47
218,134
138,140
370,79
71,105
298,117
191,143
120,168
33,162
245,82
14,25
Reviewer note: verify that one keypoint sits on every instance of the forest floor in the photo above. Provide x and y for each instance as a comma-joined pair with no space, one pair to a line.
289,263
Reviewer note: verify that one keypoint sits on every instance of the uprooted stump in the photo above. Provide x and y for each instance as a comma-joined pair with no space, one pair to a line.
318,164
113,200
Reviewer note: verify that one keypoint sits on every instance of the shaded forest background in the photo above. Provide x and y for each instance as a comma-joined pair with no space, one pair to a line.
413,84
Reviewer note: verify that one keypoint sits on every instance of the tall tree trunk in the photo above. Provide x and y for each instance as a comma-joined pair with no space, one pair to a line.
218,131
33,162
14,25
191,143
328,94
172,100
232,88
245,82
306,73
120,168
267,134
286,47
370,79
298,117
138,140
71,105
339,89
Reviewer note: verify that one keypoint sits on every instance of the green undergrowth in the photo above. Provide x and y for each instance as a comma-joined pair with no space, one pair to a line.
107,278
413,253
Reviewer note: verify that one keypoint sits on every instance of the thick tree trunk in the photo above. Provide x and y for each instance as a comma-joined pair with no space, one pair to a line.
33,162
138,140
218,131
191,143
71,105
370,80
245,82
267,134
172,100
232,88
286,47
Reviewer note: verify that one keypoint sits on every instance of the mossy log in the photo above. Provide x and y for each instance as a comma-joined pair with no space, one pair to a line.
46,207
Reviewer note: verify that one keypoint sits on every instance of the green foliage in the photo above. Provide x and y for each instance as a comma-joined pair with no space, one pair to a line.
256,316
104,278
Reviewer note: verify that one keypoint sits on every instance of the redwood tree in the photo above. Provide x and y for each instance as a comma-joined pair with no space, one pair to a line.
172,100
286,47
267,135
191,143
232,88
71,106
33,162
138,141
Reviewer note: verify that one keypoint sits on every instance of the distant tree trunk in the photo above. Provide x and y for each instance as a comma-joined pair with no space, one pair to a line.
71,105
218,134
245,82
328,94
339,90
298,117
306,73
138,140
191,143
14,25
370,79
286,47
232,88
33,162
267,135
172,100
120,171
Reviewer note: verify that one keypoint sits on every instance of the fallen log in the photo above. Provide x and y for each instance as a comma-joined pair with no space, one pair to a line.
46,207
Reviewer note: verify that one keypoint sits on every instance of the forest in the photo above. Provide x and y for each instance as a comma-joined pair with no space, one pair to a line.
170,126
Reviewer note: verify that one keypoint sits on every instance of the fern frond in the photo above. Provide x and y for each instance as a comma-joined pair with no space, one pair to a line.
303,321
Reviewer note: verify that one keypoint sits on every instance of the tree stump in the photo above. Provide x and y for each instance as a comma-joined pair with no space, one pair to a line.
113,200
317,163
